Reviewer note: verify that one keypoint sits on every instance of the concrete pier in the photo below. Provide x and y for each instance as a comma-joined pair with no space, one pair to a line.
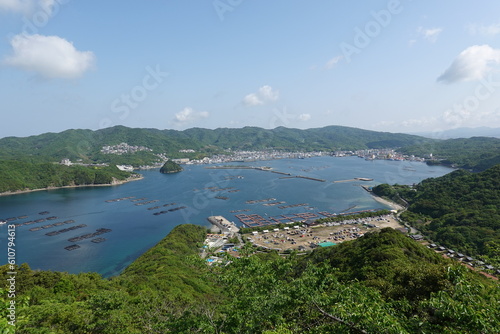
223,224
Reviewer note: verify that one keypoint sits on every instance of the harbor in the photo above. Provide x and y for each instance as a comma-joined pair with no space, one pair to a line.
256,220
136,228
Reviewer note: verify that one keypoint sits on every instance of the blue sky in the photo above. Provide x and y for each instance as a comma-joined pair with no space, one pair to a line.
398,65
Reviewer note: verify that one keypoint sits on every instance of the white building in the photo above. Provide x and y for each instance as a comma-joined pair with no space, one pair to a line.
125,168
66,162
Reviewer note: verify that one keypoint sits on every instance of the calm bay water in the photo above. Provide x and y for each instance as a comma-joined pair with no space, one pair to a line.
135,229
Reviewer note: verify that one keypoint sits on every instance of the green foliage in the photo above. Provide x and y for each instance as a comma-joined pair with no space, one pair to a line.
389,261
20,175
478,153
381,283
396,193
459,210
172,266
170,167
86,144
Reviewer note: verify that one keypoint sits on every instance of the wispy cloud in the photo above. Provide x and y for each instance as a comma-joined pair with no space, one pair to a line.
474,63
49,56
264,95
304,117
332,62
430,35
480,29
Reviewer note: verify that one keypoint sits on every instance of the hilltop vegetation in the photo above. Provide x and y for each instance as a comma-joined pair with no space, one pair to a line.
170,167
477,153
459,210
86,144
383,282
19,175
474,153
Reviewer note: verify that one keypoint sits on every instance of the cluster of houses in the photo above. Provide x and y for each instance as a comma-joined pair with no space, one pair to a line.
123,148
458,256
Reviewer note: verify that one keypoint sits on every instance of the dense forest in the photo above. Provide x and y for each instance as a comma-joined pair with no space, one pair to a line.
383,282
459,210
477,153
86,144
21,175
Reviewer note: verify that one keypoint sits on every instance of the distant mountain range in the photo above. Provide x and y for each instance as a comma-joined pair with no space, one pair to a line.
85,145
461,133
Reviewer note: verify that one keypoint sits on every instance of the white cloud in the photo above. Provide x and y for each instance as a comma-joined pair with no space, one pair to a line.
478,29
471,64
304,117
21,6
430,35
332,62
188,115
264,95
268,94
252,100
49,56
27,6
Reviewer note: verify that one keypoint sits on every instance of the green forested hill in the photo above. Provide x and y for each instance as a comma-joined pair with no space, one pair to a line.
460,210
86,144
22,175
380,283
478,153
170,167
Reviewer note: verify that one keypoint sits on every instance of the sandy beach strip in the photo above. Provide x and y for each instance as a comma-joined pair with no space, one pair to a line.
392,204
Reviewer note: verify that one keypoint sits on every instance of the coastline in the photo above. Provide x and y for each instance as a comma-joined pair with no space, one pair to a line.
114,183
393,205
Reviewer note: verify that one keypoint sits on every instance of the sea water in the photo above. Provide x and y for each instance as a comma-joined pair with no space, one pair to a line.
135,229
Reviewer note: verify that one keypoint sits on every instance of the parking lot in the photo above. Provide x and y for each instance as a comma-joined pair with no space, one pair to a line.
303,238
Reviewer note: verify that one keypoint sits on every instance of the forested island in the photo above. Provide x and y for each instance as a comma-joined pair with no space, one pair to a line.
170,167
383,282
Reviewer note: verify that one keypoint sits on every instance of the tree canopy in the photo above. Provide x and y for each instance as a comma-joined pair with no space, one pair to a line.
383,282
